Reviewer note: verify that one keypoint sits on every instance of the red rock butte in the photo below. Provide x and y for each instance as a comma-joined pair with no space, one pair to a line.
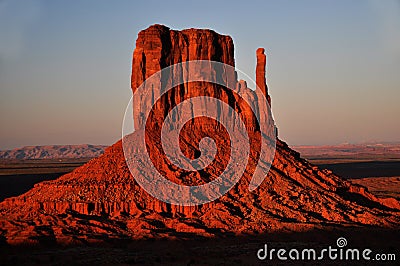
101,200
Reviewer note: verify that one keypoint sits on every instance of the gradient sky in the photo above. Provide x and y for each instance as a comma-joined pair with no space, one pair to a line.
333,66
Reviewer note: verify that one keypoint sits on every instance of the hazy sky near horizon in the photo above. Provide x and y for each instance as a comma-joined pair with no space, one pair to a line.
333,66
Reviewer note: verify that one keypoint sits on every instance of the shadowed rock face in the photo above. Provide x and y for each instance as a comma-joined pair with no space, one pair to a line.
102,200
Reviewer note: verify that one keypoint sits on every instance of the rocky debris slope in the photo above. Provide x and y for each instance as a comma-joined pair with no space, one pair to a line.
101,200
54,152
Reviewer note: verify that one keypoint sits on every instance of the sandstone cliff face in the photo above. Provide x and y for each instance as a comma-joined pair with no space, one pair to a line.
158,47
102,200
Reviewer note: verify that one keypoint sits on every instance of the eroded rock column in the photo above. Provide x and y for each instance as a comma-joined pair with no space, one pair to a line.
260,73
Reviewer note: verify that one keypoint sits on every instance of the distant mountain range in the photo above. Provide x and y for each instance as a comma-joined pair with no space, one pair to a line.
54,152
361,151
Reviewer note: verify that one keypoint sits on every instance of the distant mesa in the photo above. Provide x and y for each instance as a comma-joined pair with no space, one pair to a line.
371,151
54,152
101,200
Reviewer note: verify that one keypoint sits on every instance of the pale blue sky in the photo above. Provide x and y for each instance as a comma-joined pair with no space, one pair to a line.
333,66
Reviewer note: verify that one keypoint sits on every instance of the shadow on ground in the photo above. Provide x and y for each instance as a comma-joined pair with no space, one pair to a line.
228,250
